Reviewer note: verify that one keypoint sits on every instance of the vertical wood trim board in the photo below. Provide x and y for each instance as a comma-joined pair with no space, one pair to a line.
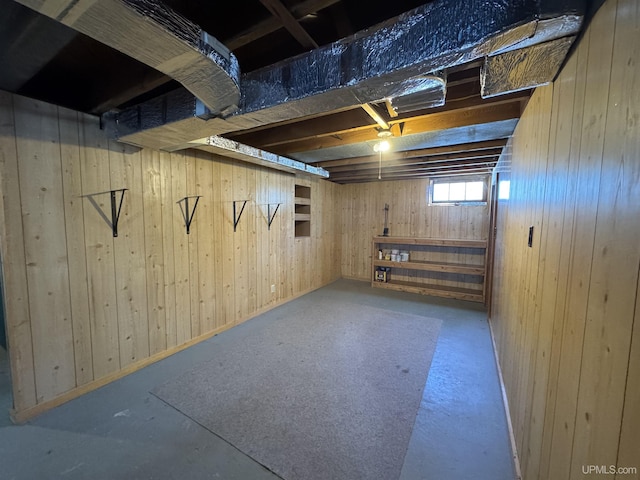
84,307
565,311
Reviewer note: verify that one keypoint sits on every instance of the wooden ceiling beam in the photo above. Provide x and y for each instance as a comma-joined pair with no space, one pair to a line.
332,124
354,120
462,149
281,12
427,123
272,24
375,115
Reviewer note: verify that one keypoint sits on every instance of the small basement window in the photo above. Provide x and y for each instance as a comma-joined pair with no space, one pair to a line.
457,191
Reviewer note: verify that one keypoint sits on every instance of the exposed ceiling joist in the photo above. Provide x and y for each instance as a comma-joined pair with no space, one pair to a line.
375,116
429,123
324,107
460,149
281,12
463,170
271,24
353,120
449,159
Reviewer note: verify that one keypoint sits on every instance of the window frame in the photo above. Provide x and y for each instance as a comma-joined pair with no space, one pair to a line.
459,179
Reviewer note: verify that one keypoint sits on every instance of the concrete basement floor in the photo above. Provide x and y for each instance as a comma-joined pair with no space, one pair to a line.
121,431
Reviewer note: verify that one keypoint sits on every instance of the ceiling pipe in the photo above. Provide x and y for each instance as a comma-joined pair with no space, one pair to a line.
155,35
371,66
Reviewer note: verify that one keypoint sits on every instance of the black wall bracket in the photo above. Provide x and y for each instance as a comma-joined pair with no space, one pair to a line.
236,215
184,208
270,217
115,213
116,207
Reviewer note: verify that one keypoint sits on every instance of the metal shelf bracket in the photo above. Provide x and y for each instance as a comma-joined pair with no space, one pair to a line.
115,213
186,214
236,215
270,217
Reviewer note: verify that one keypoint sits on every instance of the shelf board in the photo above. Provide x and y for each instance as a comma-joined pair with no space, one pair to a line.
469,294
448,267
441,242
302,201
302,217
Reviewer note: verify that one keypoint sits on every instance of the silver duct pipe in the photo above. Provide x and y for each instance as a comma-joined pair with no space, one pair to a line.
371,66
153,34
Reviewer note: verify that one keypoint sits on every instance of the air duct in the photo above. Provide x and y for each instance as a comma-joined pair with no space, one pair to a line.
153,34
370,66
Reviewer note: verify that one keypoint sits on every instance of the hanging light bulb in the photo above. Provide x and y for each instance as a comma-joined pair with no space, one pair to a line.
382,146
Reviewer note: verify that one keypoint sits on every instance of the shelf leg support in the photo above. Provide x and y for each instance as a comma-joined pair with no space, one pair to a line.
188,216
236,216
271,217
115,211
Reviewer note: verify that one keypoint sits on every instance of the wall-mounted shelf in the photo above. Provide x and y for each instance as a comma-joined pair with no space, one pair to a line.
302,211
452,268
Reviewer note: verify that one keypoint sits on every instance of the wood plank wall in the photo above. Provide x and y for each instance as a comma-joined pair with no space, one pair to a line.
83,307
410,215
565,312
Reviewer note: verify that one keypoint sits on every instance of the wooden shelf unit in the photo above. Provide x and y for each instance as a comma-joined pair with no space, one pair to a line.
302,210
452,268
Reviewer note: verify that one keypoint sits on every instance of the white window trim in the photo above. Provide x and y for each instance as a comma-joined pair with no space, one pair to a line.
460,179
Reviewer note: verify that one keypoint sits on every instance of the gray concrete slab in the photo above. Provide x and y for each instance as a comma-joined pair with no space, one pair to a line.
122,431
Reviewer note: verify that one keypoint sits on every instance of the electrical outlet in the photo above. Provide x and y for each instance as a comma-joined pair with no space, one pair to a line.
273,289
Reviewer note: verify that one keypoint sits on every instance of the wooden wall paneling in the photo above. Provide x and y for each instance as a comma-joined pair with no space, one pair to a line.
279,243
263,238
192,188
315,244
279,188
154,252
42,201
535,211
203,222
574,119
265,197
346,228
179,188
616,253
118,303
227,251
99,248
252,238
14,281
69,124
357,229
288,245
240,241
129,255
550,244
517,211
591,147
168,208
630,434
217,214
